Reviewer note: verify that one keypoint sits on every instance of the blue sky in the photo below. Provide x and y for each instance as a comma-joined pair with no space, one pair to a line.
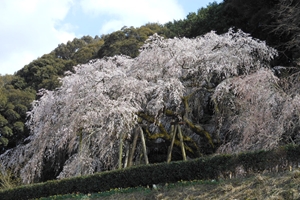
31,28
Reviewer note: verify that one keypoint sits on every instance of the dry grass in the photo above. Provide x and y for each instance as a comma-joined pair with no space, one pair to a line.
7,180
266,187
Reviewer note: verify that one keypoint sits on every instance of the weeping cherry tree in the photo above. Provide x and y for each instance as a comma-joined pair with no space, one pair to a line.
218,88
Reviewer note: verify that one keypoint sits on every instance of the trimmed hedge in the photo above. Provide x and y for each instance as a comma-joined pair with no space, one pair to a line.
198,169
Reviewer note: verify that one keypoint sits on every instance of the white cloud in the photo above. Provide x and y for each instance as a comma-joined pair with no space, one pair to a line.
29,29
111,25
132,12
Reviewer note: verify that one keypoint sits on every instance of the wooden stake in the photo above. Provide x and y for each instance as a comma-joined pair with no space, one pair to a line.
120,151
132,150
181,142
144,146
170,149
127,153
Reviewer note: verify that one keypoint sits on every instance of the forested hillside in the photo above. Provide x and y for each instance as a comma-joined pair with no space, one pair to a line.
230,91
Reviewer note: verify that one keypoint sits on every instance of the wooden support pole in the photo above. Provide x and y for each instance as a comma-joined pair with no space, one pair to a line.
127,153
181,142
132,150
144,146
120,151
170,149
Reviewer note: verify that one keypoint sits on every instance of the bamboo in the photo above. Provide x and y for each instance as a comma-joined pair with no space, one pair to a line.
170,149
181,142
144,146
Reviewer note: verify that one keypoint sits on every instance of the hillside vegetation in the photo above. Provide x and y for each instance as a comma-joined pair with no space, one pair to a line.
156,93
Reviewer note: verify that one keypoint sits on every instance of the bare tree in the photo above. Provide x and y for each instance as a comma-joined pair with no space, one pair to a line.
287,25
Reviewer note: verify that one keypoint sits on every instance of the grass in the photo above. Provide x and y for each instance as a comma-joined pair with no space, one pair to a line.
7,180
272,186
